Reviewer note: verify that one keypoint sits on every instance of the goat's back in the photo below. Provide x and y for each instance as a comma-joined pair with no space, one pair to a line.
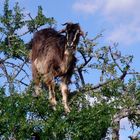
47,40
48,48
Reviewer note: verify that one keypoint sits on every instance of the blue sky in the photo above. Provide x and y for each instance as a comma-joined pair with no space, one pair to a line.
119,18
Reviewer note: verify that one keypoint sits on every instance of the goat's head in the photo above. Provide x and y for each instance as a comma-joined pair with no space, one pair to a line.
73,33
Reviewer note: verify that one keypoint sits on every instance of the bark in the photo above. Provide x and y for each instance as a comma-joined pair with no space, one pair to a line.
117,118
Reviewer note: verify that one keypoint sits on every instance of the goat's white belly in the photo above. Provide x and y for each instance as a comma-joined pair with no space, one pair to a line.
40,65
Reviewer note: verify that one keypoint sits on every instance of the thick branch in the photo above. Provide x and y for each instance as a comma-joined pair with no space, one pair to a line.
82,55
86,61
81,77
125,113
117,118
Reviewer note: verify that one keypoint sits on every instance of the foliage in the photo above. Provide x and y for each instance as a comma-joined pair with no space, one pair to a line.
94,107
23,115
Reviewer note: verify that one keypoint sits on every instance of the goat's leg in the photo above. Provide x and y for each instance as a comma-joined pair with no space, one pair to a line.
52,97
37,87
64,90
48,79
36,81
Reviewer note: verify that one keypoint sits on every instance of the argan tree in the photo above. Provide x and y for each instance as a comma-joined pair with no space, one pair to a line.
96,108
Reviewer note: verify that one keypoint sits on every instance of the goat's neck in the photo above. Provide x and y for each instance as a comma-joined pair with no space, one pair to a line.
68,57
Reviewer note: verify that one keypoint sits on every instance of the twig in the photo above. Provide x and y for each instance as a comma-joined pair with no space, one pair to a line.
114,59
33,21
135,73
19,67
1,37
23,34
82,55
85,60
3,60
20,81
125,72
9,79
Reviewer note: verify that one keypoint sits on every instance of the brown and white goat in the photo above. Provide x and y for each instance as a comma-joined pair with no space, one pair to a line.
53,55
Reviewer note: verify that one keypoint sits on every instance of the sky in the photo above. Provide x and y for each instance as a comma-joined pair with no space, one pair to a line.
119,19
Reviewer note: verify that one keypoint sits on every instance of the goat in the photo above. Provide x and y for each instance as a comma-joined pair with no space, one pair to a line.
53,55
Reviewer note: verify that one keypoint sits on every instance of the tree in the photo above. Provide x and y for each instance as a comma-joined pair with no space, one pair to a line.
95,107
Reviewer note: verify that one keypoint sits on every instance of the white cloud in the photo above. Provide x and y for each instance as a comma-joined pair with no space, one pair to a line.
125,34
121,16
85,6
121,8
124,16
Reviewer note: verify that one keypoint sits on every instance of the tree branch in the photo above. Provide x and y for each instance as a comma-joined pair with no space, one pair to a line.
125,112
112,56
107,82
81,77
9,79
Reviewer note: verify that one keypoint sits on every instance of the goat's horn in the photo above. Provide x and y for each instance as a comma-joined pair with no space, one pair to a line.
65,24
62,31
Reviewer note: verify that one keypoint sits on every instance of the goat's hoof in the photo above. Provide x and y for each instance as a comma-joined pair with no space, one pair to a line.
54,108
35,95
53,102
67,110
